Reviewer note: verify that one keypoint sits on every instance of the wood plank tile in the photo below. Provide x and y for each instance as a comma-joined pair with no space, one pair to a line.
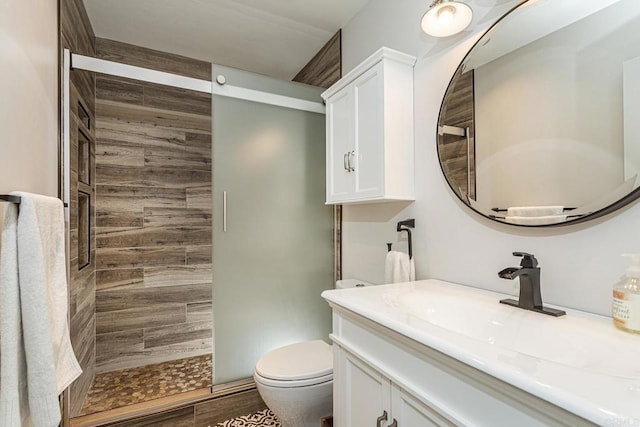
85,82
229,407
325,68
177,275
186,122
132,357
120,199
110,152
152,236
119,90
114,343
122,129
178,418
84,343
118,278
200,311
176,99
199,197
120,237
199,143
154,59
120,301
151,177
109,218
139,257
78,325
147,316
199,255
171,217
175,334
181,159
161,236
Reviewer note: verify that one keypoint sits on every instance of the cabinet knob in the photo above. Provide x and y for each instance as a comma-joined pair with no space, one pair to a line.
345,162
381,419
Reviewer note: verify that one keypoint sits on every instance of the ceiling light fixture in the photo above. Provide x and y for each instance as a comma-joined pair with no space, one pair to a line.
446,18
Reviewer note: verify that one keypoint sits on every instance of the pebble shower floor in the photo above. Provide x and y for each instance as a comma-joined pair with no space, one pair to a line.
125,387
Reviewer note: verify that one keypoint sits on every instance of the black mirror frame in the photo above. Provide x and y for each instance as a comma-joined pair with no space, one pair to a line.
629,198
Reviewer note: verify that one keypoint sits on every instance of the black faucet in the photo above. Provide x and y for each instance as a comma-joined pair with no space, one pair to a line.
530,296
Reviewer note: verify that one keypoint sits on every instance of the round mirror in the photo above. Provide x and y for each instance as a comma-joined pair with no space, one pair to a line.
540,124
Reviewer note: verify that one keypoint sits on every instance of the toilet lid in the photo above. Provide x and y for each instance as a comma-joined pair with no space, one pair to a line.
299,361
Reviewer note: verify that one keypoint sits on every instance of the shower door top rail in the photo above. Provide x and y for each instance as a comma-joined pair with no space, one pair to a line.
103,66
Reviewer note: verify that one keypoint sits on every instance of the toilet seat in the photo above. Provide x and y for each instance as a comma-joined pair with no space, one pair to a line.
296,365
292,384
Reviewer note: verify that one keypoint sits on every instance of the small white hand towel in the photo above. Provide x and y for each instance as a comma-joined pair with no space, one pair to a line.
13,369
540,220
399,268
535,211
51,363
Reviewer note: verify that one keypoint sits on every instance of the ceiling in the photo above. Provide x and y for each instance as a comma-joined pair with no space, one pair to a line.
272,37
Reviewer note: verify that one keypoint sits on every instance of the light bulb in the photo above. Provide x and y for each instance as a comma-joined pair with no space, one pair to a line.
446,15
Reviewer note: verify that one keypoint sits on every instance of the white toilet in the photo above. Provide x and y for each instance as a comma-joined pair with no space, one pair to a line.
296,381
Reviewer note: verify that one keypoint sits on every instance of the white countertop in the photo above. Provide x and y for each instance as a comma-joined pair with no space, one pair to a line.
579,362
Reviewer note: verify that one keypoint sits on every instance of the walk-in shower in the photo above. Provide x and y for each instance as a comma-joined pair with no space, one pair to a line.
192,183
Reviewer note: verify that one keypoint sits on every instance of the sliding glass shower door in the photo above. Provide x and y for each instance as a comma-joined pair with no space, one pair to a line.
273,249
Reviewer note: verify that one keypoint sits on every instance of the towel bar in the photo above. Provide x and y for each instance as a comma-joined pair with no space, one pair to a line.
10,199
505,210
16,199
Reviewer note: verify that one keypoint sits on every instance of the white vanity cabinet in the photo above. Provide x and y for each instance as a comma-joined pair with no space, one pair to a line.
370,131
379,372
365,397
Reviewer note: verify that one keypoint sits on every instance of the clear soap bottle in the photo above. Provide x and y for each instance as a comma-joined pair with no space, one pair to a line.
626,298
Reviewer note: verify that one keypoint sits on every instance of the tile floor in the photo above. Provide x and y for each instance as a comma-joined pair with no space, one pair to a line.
116,389
257,419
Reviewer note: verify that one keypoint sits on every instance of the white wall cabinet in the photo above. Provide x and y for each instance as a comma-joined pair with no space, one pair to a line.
370,139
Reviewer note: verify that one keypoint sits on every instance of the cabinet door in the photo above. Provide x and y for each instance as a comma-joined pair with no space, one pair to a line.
366,394
409,412
340,180
369,133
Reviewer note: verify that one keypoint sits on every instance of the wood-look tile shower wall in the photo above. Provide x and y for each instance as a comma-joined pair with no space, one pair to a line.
154,207
77,35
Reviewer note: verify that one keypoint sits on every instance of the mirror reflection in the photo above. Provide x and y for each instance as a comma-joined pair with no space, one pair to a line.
540,124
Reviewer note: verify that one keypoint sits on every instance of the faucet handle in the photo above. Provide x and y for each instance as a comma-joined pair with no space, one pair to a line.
528,260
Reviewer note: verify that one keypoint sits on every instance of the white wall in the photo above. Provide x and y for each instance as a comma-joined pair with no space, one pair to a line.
28,96
579,263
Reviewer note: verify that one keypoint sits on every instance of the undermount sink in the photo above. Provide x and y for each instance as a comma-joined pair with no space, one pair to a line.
577,340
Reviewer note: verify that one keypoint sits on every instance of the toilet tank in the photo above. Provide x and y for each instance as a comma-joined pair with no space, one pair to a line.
352,283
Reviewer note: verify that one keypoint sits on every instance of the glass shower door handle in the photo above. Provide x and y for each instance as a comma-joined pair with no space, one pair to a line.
224,211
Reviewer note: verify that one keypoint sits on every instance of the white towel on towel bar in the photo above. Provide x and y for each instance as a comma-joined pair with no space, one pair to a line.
42,281
399,268
536,220
14,409
535,211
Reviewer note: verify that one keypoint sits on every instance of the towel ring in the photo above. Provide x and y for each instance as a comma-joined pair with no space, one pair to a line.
405,225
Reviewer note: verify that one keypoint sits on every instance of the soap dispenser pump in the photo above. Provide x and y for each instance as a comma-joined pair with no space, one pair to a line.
626,298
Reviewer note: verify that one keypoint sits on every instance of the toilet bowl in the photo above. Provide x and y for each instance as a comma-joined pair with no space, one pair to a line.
296,382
